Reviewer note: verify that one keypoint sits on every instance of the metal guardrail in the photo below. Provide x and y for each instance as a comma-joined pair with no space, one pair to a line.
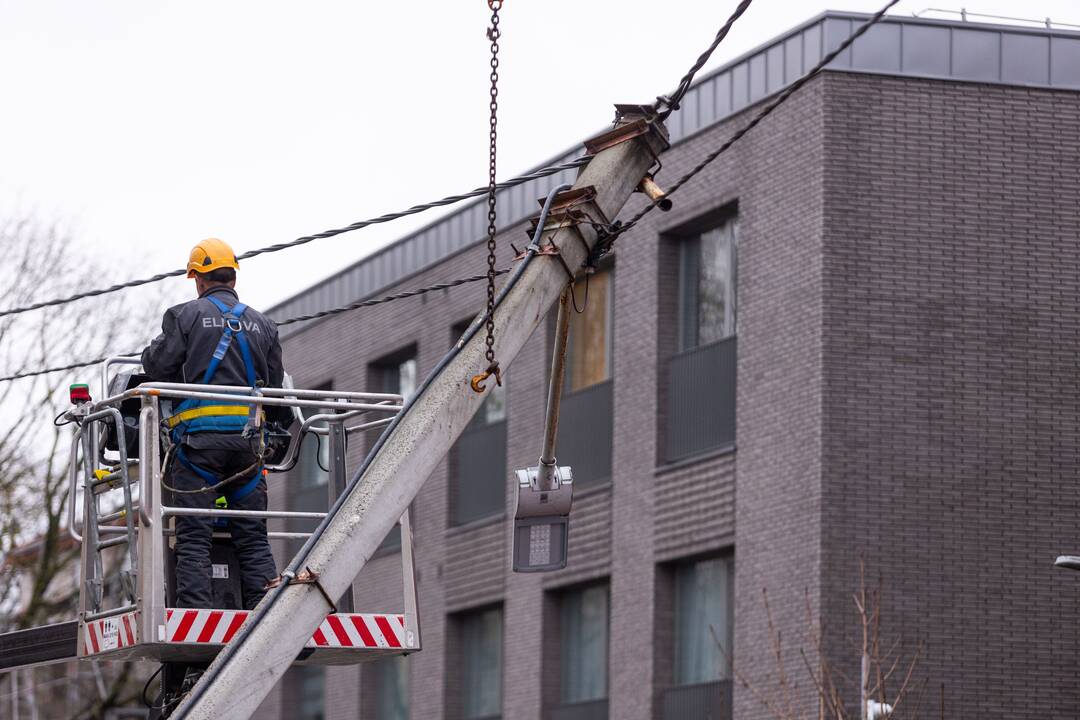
144,515
701,400
586,429
479,473
588,710
705,701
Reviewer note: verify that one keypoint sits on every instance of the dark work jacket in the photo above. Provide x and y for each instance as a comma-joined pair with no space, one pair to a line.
191,331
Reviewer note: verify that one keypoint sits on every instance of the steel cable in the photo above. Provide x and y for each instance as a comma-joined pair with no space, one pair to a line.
415,209
776,102
673,101
300,318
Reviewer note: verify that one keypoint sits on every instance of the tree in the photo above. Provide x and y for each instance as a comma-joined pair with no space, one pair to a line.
38,557
887,688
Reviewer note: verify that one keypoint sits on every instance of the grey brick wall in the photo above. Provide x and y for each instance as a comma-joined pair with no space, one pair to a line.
951,337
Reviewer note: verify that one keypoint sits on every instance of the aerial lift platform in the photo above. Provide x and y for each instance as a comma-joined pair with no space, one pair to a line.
118,504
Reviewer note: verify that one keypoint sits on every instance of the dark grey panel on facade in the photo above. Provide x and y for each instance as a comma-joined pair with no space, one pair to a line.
774,68
836,30
1065,62
478,483
793,58
878,49
757,78
1023,59
811,39
723,94
586,420
740,86
975,54
592,710
707,701
898,46
701,400
926,50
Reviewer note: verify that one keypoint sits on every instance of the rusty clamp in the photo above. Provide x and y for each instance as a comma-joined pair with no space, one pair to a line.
570,209
307,576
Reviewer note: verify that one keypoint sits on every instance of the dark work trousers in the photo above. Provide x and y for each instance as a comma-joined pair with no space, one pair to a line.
223,455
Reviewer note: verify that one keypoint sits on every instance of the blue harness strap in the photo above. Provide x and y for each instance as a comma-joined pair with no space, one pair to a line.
233,317
232,495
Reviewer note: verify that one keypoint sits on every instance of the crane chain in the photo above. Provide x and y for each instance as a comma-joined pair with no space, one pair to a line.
493,136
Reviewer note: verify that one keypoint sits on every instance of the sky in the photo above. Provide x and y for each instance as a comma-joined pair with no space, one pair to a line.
143,127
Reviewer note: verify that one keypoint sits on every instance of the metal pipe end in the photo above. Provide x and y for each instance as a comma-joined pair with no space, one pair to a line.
655,193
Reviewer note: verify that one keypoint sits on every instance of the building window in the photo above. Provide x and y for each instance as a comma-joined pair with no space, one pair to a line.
707,278
704,616
309,692
589,348
478,479
481,664
395,373
583,645
392,688
398,374
700,384
587,413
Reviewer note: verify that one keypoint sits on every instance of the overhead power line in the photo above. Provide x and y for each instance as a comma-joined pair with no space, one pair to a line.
300,318
672,101
415,209
767,110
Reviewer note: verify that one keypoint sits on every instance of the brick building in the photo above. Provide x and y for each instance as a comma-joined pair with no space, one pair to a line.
908,259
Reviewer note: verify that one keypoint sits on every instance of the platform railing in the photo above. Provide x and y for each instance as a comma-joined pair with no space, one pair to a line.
146,528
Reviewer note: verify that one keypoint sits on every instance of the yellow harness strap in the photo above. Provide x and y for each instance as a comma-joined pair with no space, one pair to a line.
205,411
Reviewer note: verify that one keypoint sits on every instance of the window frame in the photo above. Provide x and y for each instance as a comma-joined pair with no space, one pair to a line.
688,283
487,432
679,677
564,696
462,621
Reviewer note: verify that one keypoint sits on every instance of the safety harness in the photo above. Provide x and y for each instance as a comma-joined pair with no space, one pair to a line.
194,415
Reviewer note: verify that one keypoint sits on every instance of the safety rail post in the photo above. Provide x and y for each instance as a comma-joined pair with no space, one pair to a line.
408,581
93,569
336,486
151,597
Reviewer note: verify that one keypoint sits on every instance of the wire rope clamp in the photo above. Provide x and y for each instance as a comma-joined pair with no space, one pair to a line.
570,208
307,576
542,519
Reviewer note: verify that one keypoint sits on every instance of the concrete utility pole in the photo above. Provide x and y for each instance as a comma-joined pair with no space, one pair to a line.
425,433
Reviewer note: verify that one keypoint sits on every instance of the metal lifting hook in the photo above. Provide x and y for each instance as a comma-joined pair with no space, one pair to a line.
477,382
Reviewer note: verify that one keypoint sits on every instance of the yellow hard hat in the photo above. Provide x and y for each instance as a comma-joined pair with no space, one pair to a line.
210,255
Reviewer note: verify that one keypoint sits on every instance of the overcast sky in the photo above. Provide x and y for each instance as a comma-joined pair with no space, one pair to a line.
145,126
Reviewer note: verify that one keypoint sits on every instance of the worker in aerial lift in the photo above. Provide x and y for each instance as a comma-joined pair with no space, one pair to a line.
218,447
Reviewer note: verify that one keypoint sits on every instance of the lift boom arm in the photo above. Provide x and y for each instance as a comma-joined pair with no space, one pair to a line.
240,679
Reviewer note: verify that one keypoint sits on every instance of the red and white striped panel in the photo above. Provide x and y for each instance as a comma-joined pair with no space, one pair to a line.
369,631
110,633
341,630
